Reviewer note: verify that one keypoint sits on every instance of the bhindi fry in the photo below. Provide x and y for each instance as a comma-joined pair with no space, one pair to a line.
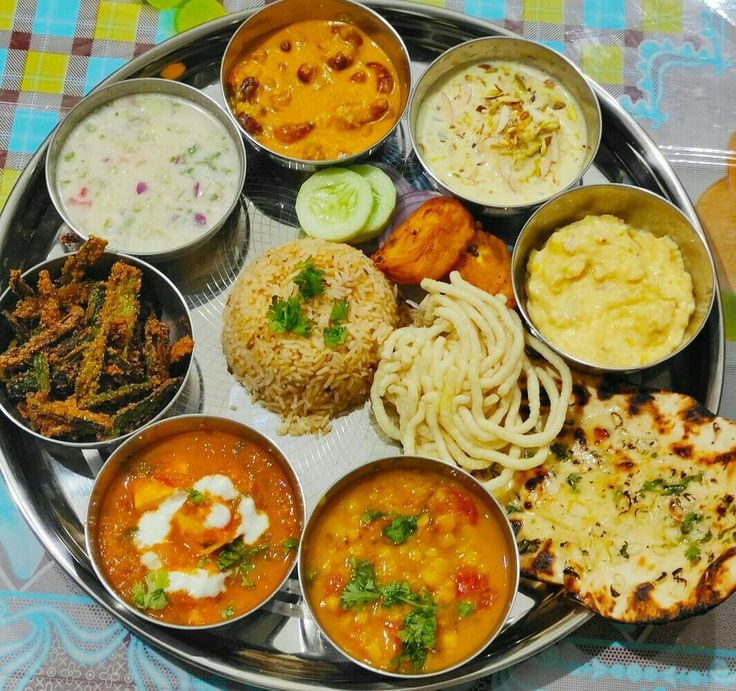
89,359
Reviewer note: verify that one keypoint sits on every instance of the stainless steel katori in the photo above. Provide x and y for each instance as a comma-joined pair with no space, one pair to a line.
430,466
277,15
139,443
111,92
280,646
642,210
156,288
515,50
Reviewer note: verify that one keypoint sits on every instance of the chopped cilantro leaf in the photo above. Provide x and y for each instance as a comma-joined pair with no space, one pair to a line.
692,553
573,479
401,529
238,555
362,588
339,311
672,488
149,594
195,496
464,608
228,612
513,507
370,515
419,634
651,485
286,315
681,486
290,544
560,451
310,280
335,335
529,546
396,592
688,523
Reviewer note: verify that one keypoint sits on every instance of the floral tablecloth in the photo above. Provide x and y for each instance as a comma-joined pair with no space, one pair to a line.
670,63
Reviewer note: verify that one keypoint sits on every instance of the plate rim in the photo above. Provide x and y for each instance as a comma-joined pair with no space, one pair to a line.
175,646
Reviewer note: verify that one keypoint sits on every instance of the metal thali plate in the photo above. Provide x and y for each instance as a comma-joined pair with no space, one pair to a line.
280,647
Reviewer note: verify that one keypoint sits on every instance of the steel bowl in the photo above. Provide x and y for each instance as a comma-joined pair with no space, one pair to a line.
173,311
145,438
412,463
278,15
521,51
642,210
107,94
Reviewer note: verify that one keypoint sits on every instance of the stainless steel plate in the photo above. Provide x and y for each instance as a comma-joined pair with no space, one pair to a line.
281,647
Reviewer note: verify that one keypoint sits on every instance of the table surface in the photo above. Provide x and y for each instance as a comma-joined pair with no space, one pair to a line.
670,63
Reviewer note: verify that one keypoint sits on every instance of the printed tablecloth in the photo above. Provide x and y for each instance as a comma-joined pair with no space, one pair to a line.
670,63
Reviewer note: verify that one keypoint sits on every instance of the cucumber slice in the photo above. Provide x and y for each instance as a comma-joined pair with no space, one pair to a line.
334,204
384,201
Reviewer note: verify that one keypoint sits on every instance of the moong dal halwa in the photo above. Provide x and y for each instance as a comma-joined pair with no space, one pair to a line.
610,294
302,328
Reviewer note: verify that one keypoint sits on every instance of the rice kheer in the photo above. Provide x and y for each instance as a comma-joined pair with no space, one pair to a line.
502,133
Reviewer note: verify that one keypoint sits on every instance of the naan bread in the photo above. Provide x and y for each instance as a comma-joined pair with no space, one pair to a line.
633,513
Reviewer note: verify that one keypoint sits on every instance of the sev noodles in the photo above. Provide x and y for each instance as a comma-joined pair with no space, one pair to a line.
452,386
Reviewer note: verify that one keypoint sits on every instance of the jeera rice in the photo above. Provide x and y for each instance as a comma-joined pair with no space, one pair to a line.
298,376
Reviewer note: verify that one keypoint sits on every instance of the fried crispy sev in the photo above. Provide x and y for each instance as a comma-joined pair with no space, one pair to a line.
77,364
428,243
486,263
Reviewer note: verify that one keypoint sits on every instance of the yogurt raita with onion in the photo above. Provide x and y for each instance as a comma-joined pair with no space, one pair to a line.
150,172
501,133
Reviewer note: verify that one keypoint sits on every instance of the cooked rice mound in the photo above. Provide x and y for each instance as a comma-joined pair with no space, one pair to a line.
306,382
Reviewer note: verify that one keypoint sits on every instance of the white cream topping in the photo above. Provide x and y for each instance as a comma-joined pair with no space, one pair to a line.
253,523
218,486
151,561
154,526
198,583
218,517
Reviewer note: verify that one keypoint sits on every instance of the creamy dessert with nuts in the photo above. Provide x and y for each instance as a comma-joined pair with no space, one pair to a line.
502,133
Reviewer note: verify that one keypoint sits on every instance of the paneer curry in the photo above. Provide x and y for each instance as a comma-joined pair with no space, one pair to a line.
199,527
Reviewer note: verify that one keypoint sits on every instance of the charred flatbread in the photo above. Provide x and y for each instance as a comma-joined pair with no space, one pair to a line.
633,512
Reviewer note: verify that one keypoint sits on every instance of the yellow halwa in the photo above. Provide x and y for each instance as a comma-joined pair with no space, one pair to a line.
610,294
